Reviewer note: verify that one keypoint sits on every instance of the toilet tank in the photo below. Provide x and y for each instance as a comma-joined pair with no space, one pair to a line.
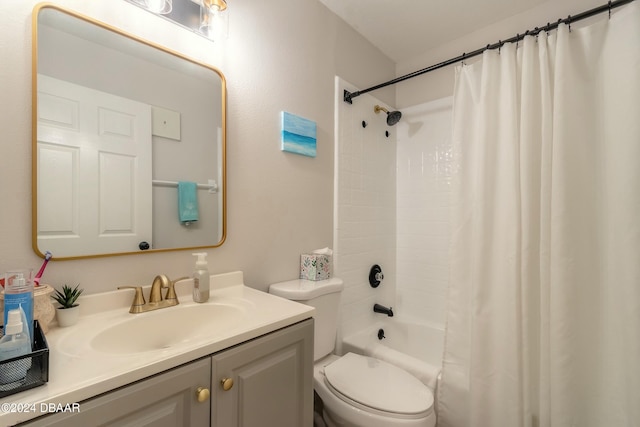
324,296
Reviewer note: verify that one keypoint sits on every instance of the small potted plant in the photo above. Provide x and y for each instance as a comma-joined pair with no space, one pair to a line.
69,310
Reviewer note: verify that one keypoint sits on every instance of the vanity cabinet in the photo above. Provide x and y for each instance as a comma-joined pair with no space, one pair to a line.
264,382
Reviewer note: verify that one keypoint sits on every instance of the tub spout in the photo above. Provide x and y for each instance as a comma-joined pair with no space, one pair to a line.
382,309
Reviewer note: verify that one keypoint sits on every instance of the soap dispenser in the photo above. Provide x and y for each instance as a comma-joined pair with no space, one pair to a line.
201,279
14,343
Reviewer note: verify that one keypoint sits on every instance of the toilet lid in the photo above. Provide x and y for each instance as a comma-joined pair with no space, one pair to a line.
378,385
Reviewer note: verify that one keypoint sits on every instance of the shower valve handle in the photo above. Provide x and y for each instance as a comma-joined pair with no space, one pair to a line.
375,276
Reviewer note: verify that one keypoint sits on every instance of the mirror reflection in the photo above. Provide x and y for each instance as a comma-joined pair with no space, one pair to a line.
129,142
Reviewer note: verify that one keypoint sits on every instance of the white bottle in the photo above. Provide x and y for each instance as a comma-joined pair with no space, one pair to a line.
14,343
201,279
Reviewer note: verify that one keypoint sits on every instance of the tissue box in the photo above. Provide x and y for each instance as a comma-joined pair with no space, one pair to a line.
315,266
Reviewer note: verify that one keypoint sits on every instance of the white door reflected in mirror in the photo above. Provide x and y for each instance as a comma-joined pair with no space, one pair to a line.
94,170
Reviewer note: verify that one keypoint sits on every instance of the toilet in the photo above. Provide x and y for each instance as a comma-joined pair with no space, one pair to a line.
356,390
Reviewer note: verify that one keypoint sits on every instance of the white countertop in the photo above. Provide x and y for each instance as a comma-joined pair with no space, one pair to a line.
78,372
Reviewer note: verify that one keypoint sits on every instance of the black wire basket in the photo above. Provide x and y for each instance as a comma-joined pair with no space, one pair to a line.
28,371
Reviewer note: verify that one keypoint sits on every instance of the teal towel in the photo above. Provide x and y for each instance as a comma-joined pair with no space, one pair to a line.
187,201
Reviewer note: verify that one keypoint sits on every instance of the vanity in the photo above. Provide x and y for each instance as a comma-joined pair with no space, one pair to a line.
245,358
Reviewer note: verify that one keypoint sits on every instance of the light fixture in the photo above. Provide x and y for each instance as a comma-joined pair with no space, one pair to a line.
214,5
161,7
203,17
210,17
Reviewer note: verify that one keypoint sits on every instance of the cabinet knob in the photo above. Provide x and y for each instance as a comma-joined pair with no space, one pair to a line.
226,383
202,394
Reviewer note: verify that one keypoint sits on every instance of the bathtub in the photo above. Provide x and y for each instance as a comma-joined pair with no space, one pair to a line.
413,346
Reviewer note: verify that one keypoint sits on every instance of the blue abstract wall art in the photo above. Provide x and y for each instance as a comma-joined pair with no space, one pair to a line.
298,135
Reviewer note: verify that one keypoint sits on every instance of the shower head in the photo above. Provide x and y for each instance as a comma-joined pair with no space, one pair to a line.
393,117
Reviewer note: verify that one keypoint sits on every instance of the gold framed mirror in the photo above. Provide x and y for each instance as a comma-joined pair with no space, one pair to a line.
129,142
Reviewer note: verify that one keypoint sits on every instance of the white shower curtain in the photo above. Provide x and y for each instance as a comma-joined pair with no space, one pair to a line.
543,324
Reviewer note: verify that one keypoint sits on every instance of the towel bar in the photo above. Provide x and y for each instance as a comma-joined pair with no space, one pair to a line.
212,187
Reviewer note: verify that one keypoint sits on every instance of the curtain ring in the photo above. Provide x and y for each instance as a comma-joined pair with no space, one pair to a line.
517,40
499,45
609,9
569,22
546,30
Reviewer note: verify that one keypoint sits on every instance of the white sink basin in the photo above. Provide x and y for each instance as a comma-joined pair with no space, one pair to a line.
123,333
164,328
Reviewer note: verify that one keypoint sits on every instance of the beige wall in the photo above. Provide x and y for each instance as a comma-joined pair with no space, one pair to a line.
438,84
279,55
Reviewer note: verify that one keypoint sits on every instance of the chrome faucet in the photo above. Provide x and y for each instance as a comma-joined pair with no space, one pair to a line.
156,300
382,309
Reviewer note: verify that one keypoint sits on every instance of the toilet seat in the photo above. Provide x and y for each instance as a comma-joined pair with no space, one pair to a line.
378,387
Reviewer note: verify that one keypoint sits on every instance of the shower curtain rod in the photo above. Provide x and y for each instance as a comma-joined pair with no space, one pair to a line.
348,96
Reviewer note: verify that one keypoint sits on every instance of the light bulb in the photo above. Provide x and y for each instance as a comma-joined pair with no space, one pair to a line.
161,7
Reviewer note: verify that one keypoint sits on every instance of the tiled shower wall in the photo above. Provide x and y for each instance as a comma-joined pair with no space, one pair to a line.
392,208
425,169
365,208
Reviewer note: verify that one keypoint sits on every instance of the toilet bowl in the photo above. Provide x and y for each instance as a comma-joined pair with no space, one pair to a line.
360,391
356,390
